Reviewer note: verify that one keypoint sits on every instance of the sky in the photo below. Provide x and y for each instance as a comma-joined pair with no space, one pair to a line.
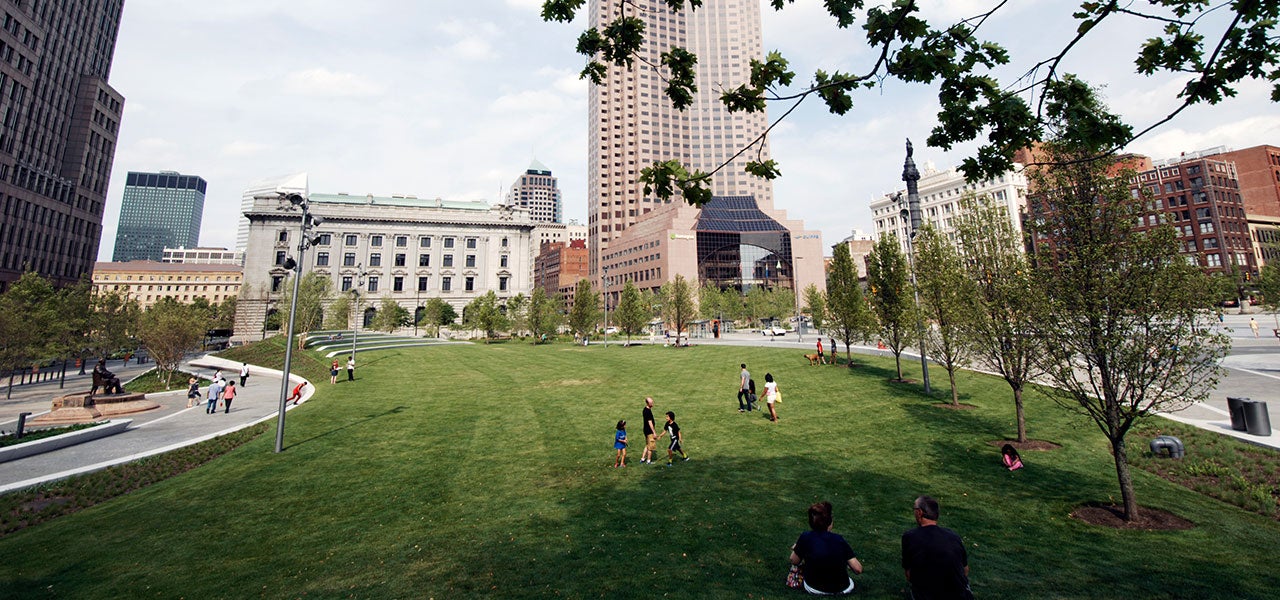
455,99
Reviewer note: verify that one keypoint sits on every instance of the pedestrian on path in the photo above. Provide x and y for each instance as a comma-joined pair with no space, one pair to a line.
228,394
215,392
351,369
244,374
193,392
1253,324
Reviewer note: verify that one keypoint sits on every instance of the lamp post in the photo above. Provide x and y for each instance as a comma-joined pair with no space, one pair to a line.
308,221
604,283
355,294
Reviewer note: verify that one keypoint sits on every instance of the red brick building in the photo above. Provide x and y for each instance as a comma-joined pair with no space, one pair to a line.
1259,171
559,266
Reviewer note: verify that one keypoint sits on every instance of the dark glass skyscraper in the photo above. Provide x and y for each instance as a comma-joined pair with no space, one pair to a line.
58,125
160,210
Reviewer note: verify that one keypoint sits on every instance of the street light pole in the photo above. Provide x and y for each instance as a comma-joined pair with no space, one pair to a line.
355,294
604,281
304,242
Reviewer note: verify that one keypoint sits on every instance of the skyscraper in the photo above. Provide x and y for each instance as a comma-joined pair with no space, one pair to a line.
632,124
537,191
58,125
159,210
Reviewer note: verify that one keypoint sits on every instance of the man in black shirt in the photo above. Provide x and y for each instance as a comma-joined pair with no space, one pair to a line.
933,557
650,431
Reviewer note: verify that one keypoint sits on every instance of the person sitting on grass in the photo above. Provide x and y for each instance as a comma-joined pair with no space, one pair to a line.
620,444
1009,456
824,556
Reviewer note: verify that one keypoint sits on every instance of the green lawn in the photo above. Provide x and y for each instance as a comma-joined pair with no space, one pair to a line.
459,471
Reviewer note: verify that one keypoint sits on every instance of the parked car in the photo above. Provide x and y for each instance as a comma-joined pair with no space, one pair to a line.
773,331
611,330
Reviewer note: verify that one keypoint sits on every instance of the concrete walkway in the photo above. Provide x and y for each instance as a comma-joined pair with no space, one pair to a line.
171,426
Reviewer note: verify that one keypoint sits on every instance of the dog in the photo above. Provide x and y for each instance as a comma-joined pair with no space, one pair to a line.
814,359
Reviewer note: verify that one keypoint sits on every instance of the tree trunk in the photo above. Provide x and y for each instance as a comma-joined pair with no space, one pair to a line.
897,359
1126,482
955,395
1022,416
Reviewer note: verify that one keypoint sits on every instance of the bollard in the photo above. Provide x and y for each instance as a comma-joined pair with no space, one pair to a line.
1167,445
1235,406
22,423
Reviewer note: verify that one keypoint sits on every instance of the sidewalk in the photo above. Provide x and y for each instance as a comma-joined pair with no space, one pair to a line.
171,426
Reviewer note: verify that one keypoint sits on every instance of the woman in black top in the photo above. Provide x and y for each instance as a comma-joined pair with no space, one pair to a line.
824,555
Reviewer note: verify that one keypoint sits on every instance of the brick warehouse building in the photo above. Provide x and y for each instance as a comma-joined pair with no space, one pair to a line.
1259,171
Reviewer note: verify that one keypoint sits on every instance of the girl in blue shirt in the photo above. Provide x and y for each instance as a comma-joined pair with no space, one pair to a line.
620,444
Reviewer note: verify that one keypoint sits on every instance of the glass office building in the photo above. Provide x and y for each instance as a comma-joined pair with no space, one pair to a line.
160,210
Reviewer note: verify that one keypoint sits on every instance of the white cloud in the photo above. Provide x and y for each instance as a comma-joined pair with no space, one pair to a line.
320,81
244,148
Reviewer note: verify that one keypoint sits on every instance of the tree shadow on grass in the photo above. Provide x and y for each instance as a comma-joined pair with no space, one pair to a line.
707,528
392,411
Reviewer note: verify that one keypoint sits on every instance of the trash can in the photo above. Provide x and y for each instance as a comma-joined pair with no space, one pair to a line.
1236,407
1256,418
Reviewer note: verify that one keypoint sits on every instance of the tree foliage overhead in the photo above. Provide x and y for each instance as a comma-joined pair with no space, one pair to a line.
1216,46
1127,330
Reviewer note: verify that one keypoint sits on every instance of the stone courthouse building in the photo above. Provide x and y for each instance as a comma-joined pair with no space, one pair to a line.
404,248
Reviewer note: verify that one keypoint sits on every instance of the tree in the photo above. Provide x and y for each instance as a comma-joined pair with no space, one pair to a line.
848,316
314,291
677,304
632,315
892,301
1126,333
1269,287
518,313
815,305
1006,299
946,298
339,314
225,314
437,313
484,313
391,316
544,314
28,311
169,330
963,67
113,323
586,309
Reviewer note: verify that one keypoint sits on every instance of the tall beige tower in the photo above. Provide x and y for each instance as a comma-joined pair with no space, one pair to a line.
632,124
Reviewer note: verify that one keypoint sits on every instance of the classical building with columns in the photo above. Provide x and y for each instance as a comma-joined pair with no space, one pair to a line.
404,248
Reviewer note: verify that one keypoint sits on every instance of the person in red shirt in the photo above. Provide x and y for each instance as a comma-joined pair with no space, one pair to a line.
297,392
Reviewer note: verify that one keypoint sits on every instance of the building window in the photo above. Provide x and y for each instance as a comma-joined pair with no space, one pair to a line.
373,284
399,260
322,259
351,239
280,254
503,261
283,236
375,241
324,239
424,260
470,284
448,260
422,283
471,261
504,242
349,259
402,241
375,260
424,242
276,282
446,284
397,284
346,283
448,242
471,243
502,284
